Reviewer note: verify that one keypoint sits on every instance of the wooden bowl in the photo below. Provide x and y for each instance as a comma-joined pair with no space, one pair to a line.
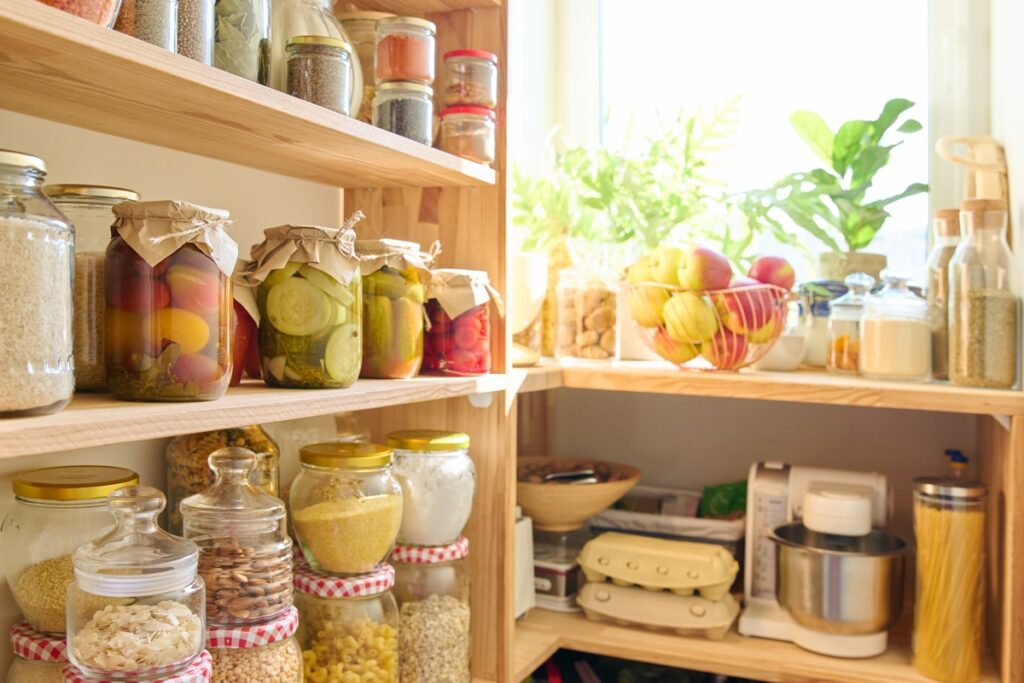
566,507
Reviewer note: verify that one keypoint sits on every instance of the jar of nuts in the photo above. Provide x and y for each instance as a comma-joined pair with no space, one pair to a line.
267,653
37,658
587,316
348,626
245,555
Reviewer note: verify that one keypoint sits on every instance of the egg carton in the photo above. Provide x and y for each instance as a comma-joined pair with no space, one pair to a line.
658,564
661,611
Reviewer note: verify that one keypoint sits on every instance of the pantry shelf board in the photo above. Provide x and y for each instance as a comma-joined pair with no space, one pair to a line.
59,67
543,377
541,632
98,420
421,7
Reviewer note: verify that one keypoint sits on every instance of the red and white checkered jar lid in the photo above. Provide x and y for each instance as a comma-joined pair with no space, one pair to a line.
431,554
242,637
32,645
199,671
322,586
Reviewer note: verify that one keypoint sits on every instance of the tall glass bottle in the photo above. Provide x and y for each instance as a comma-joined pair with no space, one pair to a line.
946,239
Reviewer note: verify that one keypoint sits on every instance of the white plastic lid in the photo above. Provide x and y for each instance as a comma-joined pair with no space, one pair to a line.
844,513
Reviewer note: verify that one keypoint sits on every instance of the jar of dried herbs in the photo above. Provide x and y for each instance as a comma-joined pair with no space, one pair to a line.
982,305
406,109
945,240
320,71
242,43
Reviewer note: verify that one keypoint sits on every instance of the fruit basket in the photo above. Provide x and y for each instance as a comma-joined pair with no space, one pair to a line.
722,329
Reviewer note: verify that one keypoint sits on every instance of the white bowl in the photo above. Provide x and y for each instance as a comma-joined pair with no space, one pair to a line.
785,355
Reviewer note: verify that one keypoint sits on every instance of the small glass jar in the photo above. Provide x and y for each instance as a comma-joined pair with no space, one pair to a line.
459,335
405,50
244,347
346,507
946,237
199,671
37,373
55,510
136,579
468,132
432,591
103,12
983,308
815,298
242,42
88,207
472,78
405,109
438,481
844,325
154,21
37,658
348,627
320,71
949,528
196,30
587,316
245,555
895,334
267,653
361,28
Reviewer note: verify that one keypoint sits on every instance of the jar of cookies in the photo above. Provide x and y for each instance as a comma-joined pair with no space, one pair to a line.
587,316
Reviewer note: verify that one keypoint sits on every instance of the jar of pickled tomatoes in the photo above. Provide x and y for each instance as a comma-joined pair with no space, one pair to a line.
459,335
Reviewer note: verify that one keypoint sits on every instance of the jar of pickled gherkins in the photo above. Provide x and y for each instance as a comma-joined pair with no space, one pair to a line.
844,325
348,627
459,336
37,658
169,303
265,653
394,277
308,289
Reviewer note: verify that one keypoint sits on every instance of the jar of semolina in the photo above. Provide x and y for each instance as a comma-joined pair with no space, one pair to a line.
267,652
37,658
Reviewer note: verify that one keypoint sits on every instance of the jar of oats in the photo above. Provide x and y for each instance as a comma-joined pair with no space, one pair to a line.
37,658
267,653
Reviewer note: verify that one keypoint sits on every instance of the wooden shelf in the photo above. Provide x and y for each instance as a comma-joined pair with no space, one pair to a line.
59,67
541,632
420,7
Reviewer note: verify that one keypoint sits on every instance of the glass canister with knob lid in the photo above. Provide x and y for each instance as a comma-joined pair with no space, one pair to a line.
895,333
245,554
37,658
361,28
137,605
844,324
945,238
55,510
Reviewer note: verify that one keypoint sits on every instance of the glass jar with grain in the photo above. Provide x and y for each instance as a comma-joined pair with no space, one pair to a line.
895,333
263,653
154,21
196,30
945,238
405,109
468,132
320,71
471,78
405,50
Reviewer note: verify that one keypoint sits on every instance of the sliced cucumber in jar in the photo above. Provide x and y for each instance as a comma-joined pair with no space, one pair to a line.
278,276
343,356
276,366
298,308
328,284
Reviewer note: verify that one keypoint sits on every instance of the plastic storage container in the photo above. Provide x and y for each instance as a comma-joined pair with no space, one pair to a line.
196,29
88,207
949,611
471,78
242,44
405,109
37,658
136,607
895,334
268,653
102,12
946,237
56,509
346,507
468,132
844,325
37,374
459,338
587,316
320,71
438,481
983,308
361,28
432,591
405,50
154,21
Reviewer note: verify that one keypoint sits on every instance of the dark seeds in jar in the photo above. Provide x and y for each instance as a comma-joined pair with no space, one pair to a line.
195,30
410,118
319,74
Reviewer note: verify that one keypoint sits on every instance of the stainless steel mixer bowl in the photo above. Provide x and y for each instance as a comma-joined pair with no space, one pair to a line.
838,584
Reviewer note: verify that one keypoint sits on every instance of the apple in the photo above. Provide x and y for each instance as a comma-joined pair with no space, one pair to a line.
646,303
663,265
726,351
702,269
690,317
745,309
765,333
639,271
673,351
773,270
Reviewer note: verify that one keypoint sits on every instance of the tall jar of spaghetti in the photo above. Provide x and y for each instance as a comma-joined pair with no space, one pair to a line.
949,613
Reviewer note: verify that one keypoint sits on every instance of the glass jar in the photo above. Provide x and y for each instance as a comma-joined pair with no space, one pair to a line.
196,30
102,12
153,21
320,71
405,50
472,78
242,41
268,653
346,507
199,671
361,28
815,297
949,611
135,580
438,481
945,239
405,109
348,626
468,132
244,347
88,207
587,316
432,591
458,310
37,658
55,510
895,334
245,555
844,324
982,304
37,373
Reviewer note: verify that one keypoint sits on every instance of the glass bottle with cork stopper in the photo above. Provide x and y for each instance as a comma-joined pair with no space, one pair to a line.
946,237
844,325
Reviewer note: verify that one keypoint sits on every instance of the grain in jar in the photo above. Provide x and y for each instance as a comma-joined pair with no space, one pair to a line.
405,109
895,334
468,132
471,78
946,237
102,12
153,21
196,30
267,653
320,71
37,658
405,50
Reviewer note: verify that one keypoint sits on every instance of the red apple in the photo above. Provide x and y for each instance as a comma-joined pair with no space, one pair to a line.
726,350
748,308
702,269
773,270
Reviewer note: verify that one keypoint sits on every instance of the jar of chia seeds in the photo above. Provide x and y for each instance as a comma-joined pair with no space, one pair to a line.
405,50
265,652
154,21
471,78
468,132
406,109
37,658
320,71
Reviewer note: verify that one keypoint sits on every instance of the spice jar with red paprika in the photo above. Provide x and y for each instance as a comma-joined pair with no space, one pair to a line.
468,132
405,50
459,337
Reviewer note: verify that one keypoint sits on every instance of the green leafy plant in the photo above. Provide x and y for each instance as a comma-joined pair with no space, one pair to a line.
830,203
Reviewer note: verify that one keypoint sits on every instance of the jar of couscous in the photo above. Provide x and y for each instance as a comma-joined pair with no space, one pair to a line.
266,652
37,658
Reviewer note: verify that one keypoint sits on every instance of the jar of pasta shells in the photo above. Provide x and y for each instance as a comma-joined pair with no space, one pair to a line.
587,316
267,653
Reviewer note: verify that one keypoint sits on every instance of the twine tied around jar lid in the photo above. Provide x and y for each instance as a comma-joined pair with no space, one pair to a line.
460,290
397,254
157,229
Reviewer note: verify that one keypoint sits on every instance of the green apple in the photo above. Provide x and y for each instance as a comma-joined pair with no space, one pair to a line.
645,304
673,351
639,271
690,317
763,334
663,265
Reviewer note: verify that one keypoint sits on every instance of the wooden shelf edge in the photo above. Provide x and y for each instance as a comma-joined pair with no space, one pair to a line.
421,7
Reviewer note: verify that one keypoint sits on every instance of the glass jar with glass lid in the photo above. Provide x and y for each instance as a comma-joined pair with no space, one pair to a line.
844,324
895,333
56,509
37,658
137,605
346,506
945,238
361,28
37,373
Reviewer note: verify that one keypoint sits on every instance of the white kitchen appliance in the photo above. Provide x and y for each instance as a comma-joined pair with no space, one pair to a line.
775,496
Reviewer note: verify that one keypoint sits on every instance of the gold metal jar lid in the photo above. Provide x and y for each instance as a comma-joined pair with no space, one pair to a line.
326,41
345,456
72,482
11,158
408,21
428,440
96,191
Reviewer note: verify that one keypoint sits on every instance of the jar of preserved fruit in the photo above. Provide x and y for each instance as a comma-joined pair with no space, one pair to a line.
348,626
432,591
361,28
394,273
169,303
405,50
37,658
267,653
468,132
55,510
199,671
587,316
102,12
154,21
459,337
136,580
471,78
438,481
346,506
405,109
245,350
945,239
88,207
844,324
37,373
895,334
320,71
242,42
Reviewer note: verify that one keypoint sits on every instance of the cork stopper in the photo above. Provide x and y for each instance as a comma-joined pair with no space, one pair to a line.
947,222
986,214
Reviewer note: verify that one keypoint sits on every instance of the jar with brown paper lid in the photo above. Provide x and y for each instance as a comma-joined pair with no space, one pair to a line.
458,310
